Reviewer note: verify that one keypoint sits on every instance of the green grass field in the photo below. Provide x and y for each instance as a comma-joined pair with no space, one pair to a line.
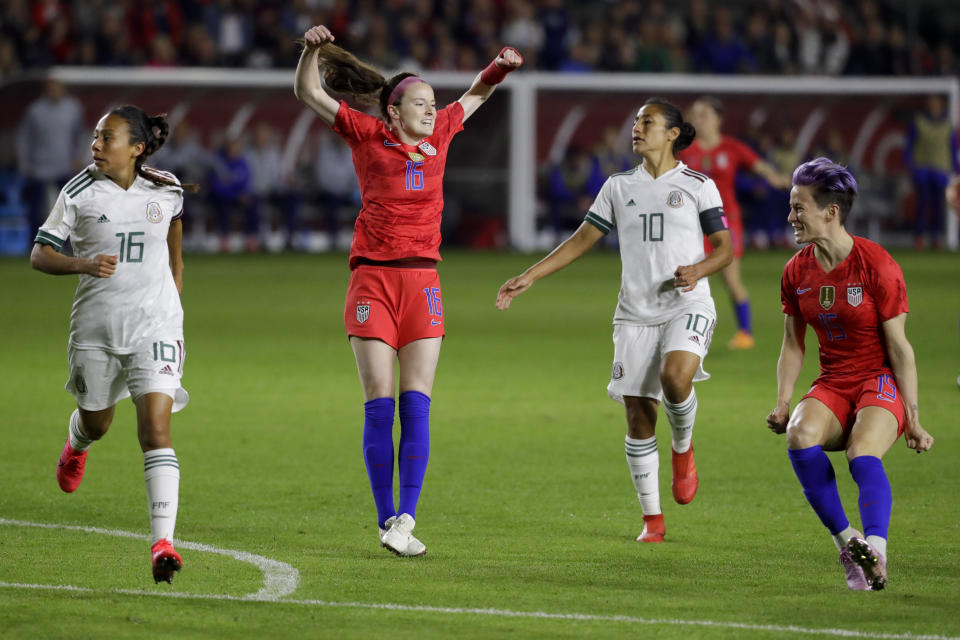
528,511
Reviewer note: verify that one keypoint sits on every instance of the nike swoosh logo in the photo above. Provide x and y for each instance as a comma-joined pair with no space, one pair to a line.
800,292
387,143
871,503
434,322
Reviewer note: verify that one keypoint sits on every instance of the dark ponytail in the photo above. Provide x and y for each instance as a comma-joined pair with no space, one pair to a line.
343,72
152,131
674,118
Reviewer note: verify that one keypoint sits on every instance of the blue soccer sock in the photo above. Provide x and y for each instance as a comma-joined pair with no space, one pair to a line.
744,322
819,483
414,447
378,453
876,500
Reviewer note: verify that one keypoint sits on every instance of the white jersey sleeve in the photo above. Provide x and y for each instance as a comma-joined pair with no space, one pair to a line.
61,221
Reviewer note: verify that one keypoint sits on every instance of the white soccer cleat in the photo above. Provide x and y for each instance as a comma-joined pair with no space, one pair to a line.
399,537
388,523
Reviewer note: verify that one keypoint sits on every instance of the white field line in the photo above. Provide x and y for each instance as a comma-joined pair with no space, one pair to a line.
498,613
270,565
279,578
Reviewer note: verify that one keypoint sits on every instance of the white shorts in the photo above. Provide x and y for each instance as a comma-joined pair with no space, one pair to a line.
99,380
639,350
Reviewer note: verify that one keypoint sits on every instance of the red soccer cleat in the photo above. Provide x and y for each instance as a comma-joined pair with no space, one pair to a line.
70,468
685,480
653,529
166,561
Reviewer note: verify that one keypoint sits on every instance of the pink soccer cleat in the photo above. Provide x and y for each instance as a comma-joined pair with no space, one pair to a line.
70,468
856,580
653,529
166,561
685,480
873,564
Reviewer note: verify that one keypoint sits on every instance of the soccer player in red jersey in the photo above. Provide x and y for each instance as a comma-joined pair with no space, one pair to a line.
853,294
720,157
393,313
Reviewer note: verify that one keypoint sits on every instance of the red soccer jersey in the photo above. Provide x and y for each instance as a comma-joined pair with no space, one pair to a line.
846,307
401,186
722,163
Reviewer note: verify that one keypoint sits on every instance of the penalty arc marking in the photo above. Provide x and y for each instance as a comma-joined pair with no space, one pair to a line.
279,578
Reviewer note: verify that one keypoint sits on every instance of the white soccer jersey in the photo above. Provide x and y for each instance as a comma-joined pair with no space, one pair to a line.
658,222
140,299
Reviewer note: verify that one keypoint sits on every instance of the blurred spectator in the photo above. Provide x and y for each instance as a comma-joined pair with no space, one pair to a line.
231,193
556,27
272,183
336,180
568,190
185,157
522,30
931,156
52,145
724,50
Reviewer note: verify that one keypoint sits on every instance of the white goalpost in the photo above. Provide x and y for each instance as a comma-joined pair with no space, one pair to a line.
526,91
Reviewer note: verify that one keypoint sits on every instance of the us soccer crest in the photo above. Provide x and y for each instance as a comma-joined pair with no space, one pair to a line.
675,199
154,213
854,296
827,296
363,311
427,148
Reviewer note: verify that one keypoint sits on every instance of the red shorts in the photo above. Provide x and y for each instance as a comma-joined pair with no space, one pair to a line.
395,304
736,236
846,399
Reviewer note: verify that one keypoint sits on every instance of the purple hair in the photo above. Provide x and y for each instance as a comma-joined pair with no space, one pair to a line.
830,183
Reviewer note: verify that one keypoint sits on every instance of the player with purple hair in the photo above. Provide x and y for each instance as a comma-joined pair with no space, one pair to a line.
853,294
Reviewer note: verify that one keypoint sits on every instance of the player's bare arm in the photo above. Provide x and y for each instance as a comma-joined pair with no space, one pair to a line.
569,250
307,86
488,79
48,260
769,173
175,247
686,276
788,370
904,366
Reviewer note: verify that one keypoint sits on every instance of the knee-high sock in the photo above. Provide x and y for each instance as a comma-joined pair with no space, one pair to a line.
819,483
161,471
78,438
644,464
378,453
414,447
681,417
876,500
744,320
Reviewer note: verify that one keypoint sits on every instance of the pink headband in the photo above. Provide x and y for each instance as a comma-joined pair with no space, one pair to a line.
401,87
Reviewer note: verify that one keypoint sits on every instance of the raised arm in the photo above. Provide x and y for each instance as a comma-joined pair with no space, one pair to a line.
904,367
175,248
48,260
307,86
788,370
568,251
769,173
488,79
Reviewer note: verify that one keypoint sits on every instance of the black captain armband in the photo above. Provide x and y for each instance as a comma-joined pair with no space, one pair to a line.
713,220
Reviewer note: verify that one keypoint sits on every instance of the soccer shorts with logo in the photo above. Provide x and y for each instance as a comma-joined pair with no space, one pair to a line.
99,380
639,350
395,304
845,397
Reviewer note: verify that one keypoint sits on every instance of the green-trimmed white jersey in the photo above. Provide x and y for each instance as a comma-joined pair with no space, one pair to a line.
140,299
658,224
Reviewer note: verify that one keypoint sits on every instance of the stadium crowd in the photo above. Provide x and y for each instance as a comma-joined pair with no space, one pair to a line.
866,37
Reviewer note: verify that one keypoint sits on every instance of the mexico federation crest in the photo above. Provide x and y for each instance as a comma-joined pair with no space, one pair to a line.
363,311
617,370
827,296
854,296
675,199
79,383
154,213
427,148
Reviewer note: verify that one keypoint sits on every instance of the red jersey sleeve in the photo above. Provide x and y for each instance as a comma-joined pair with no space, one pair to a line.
888,287
354,126
788,296
746,157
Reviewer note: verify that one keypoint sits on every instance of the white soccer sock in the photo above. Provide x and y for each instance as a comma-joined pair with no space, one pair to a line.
842,538
681,417
644,465
161,470
878,543
78,439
